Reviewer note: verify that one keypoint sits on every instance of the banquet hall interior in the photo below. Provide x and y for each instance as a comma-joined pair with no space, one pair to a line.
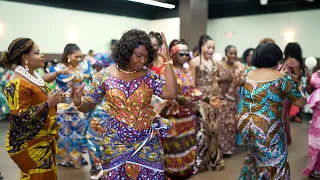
96,26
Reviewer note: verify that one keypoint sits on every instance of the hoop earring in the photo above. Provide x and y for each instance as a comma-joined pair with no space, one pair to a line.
26,66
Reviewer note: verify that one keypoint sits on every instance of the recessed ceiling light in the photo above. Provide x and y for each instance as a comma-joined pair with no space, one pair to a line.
263,2
155,3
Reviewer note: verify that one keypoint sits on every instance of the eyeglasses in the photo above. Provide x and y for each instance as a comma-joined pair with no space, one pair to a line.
184,54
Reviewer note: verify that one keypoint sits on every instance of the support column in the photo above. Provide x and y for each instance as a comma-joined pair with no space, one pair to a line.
193,20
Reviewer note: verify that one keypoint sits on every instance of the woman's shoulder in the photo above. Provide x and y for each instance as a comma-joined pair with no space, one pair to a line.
259,75
195,61
17,83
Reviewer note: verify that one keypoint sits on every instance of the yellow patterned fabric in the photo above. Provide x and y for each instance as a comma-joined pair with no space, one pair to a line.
31,138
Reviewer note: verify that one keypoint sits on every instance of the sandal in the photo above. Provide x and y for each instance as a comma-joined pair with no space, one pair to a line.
98,175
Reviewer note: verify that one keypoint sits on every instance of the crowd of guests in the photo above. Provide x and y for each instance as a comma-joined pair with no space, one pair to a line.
153,110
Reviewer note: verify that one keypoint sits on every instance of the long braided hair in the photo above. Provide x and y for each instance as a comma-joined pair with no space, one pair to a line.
16,49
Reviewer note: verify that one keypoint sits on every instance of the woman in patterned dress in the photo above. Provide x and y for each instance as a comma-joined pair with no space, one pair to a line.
180,143
132,146
72,122
260,122
233,70
204,73
313,88
33,130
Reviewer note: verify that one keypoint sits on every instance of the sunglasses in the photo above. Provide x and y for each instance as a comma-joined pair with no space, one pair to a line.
184,54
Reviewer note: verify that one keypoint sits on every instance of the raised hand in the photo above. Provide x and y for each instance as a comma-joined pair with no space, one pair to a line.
76,94
65,71
164,49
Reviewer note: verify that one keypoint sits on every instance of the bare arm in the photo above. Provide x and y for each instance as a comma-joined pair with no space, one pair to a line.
297,71
50,77
193,70
85,107
171,87
301,102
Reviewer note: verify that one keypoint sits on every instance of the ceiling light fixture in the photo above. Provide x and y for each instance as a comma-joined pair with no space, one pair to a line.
263,2
155,3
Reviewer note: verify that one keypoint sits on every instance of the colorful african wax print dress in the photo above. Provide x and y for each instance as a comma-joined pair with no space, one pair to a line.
230,93
31,138
263,130
132,147
241,93
4,109
94,135
209,156
180,143
72,123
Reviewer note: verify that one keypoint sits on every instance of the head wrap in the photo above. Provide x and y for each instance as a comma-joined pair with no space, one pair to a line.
176,48
103,59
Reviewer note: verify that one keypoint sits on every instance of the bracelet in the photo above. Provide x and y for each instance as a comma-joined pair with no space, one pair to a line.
168,62
80,104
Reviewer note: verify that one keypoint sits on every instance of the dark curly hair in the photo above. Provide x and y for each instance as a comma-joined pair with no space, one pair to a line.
246,54
69,49
123,49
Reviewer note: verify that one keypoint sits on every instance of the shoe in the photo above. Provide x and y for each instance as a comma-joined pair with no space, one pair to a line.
315,174
98,176
84,162
1,176
65,164
297,119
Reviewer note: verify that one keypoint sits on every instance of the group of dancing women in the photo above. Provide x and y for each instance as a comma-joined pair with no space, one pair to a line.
150,111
